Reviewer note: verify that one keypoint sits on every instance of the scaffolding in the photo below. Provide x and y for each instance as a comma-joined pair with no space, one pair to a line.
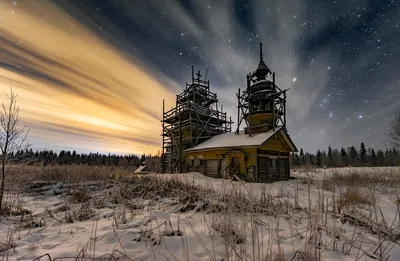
262,106
195,119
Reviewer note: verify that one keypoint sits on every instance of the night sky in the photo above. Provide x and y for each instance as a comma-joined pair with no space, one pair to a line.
91,75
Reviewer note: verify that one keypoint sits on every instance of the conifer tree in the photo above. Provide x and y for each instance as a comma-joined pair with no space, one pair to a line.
330,157
380,158
292,159
353,156
373,158
363,154
302,160
396,157
297,160
319,159
344,158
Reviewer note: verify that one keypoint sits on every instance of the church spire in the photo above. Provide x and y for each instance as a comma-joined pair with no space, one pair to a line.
262,70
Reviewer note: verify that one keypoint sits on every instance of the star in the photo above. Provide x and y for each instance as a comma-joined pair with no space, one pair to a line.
164,41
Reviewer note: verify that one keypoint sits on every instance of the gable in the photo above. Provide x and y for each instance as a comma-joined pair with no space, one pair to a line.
276,143
279,142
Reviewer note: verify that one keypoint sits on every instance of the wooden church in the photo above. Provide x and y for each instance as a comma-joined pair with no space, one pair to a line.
261,151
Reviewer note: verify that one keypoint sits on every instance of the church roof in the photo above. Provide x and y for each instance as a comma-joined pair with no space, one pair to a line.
141,168
232,140
262,69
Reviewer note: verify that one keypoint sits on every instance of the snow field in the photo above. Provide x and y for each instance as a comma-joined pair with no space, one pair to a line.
193,217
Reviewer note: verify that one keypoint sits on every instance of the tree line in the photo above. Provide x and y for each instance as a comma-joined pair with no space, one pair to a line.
350,157
49,157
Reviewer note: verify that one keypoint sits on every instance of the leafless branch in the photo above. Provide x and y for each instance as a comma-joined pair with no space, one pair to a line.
13,136
394,131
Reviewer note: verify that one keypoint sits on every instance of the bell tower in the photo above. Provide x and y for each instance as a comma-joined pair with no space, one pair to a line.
262,105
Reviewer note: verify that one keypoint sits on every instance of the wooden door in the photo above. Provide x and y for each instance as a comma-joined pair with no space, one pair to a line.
262,174
235,166
273,170
212,167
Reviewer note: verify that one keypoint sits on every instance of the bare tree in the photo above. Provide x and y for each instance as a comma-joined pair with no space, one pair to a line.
394,131
13,137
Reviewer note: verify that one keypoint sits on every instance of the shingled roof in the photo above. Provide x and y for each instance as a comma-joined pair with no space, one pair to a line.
232,140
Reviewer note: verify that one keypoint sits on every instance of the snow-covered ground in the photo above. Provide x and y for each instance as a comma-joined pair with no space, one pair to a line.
193,217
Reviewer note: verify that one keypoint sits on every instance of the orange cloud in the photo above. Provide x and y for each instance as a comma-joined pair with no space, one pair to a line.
74,88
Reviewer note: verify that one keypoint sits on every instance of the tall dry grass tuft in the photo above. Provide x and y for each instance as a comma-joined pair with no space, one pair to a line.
366,176
354,196
64,173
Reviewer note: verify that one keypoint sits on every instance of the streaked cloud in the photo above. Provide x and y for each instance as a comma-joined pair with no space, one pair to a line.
68,78
97,82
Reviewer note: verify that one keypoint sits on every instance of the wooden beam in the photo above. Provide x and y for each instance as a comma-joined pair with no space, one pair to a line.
180,143
284,110
273,107
238,113
163,137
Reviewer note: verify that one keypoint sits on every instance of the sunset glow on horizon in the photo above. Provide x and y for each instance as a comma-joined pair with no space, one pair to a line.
75,89
91,74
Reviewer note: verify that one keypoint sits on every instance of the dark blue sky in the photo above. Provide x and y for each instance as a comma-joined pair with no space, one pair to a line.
339,58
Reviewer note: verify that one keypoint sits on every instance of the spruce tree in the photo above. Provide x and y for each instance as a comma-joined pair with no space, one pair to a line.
302,160
292,161
330,157
373,158
297,160
363,154
353,156
344,158
319,159
396,157
380,158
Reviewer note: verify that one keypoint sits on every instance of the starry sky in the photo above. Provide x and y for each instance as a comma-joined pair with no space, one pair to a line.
91,75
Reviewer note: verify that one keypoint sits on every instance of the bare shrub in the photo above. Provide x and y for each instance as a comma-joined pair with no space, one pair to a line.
157,188
84,213
12,206
7,245
353,196
79,196
229,229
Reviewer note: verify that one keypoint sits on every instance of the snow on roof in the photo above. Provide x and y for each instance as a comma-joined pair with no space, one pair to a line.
230,139
261,81
140,169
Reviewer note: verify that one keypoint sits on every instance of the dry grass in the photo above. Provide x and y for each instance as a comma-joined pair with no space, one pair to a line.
354,196
64,173
362,177
237,215
305,169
